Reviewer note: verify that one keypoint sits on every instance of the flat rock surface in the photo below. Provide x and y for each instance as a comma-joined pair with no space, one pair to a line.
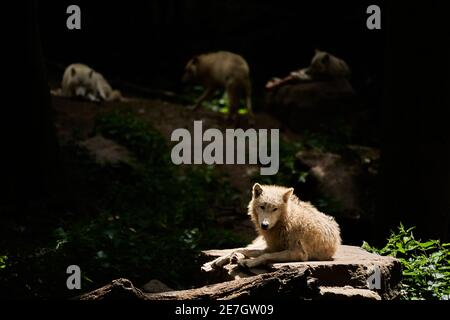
348,293
351,266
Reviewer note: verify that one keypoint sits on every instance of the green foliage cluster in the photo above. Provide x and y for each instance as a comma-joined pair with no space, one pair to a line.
426,265
3,262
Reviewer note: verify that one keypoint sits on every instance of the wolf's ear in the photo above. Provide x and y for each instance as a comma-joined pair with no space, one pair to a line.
326,58
257,190
195,60
288,194
316,51
73,72
91,73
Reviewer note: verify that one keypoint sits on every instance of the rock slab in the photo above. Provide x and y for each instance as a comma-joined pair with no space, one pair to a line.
351,269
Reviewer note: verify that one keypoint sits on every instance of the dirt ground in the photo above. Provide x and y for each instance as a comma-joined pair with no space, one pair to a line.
77,117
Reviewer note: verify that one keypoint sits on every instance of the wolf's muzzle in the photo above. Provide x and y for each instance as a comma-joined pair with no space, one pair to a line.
264,225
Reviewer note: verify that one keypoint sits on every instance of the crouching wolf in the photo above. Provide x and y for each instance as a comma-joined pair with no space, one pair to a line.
221,70
293,230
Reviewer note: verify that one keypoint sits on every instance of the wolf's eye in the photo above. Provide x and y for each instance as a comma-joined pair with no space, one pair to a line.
263,207
275,209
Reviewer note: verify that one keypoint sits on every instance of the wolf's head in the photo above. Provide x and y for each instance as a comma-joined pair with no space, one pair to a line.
269,204
320,63
82,80
191,70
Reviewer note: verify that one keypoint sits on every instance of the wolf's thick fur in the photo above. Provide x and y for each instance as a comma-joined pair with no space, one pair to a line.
292,229
221,71
80,80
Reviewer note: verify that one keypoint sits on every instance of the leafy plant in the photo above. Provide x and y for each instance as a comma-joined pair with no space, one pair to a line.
426,265
3,260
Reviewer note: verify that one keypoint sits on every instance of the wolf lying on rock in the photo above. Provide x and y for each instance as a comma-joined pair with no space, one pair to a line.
293,230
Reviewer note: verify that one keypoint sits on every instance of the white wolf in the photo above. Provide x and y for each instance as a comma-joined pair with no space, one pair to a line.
80,80
293,230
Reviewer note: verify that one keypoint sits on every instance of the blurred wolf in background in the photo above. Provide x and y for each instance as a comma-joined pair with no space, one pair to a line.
292,230
221,71
323,66
80,80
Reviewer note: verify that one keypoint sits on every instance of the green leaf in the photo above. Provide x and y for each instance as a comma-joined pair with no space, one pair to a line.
427,244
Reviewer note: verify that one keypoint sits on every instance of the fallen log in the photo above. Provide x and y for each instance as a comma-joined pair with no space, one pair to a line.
120,289
281,284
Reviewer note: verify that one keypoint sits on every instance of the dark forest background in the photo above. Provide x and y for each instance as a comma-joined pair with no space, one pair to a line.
401,70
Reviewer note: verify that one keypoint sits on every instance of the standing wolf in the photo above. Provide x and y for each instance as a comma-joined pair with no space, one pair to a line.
293,230
218,71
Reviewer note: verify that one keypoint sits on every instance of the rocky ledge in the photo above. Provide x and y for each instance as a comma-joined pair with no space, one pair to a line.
353,273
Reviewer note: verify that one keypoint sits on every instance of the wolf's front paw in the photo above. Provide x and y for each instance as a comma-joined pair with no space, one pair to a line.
207,267
236,257
249,263
221,261
245,263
